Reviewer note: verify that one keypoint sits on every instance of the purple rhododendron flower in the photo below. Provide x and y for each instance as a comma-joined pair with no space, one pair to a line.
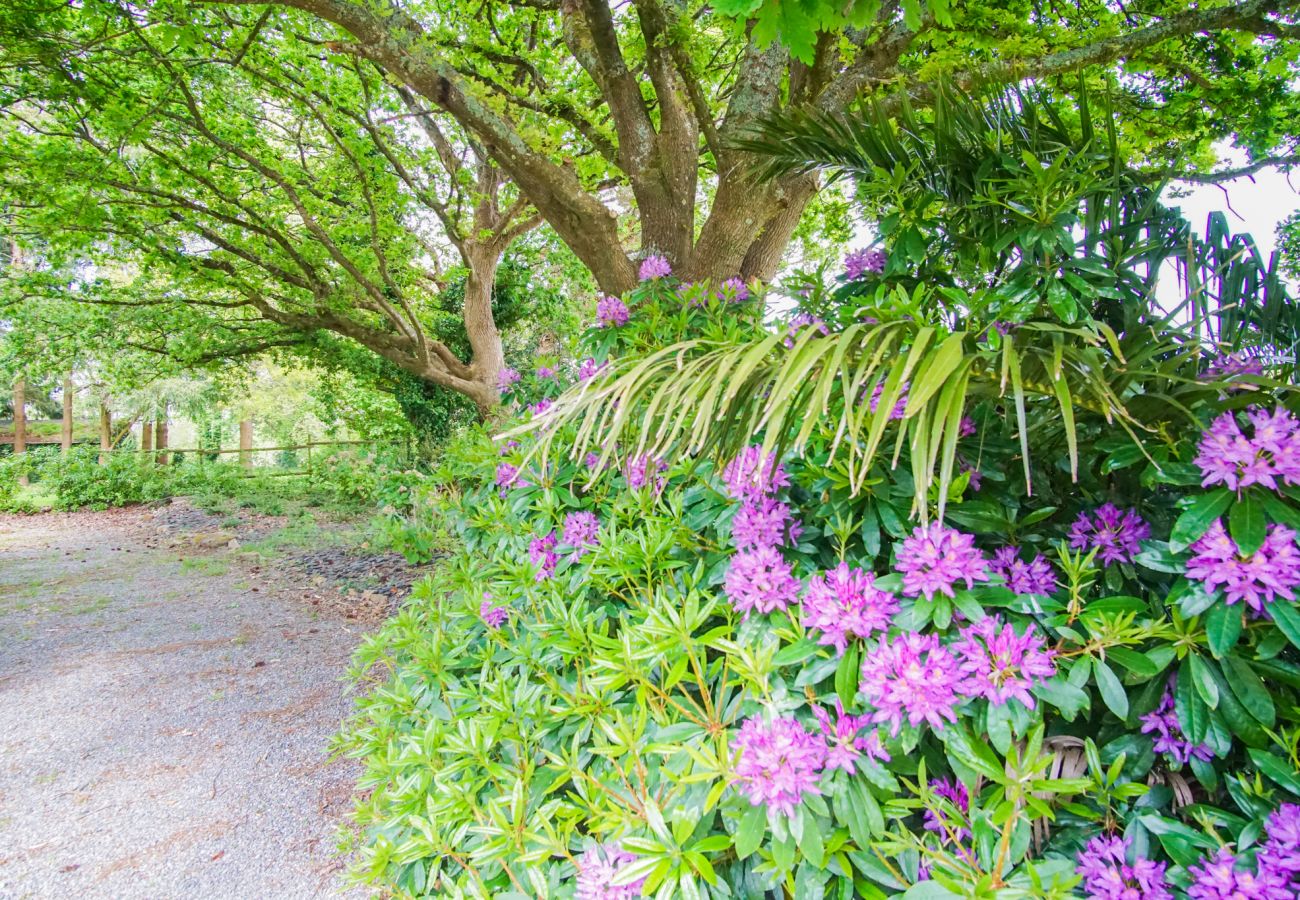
589,369
591,460
899,407
734,290
505,378
1281,852
1115,533
541,406
760,579
1219,878
797,325
1000,665
1023,578
1270,572
752,475
934,558
911,677
508,477
1233,365
779,763
1226,456
966,427
493,616
611,311
642,470
597,870
1107,874
541,552
844,603
942,823
545,372
844,746
1162,722
508,446
764,522
581,532
860,262
655,266
976,476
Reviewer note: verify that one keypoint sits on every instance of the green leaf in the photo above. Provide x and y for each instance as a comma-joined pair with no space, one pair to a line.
1197,518
751,831
1277,769
1193,715
1287,619
1203,679
1249,689
1112,692
846,676
1246,524
1223,626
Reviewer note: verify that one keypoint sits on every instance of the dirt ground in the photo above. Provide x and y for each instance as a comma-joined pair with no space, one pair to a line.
166,702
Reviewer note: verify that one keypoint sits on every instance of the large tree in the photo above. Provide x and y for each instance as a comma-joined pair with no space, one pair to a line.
571,96
246,195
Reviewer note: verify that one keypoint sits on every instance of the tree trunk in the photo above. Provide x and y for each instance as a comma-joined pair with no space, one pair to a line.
246,443
20,421
160,438
146,440
484,338
105,433
67,415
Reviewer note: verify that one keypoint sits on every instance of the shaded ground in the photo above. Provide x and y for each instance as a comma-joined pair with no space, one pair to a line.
166,698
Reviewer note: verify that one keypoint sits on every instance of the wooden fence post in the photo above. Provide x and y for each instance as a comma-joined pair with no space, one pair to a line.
246,443
160,438
67,415
105,432
20,421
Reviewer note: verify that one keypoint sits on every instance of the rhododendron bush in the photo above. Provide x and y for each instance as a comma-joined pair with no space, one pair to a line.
749,676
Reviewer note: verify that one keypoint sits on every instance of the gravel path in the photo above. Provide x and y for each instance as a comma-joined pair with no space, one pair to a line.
164,717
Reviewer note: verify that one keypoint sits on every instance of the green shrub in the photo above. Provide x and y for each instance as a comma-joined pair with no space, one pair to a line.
548,698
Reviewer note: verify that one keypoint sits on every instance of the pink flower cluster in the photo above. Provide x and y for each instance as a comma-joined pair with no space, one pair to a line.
1036,577
546,372
1108,875
1000,665
642,470
733,290
589,369
760,579
1231,365
913,678
779,763
505,378
1270,572
1272,452
900,407
799,324
1162,722
935,557
845,603
581,532
1220,878
1116,534
597,870
541,407
493,616
508,477
845,743
764,522
862,262
655,266
1281,852
611,311
541,553
940,821
751,474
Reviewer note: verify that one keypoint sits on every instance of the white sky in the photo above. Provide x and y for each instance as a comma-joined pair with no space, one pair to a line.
1254,205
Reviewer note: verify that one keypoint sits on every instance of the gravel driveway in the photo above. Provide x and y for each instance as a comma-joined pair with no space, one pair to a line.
164,717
